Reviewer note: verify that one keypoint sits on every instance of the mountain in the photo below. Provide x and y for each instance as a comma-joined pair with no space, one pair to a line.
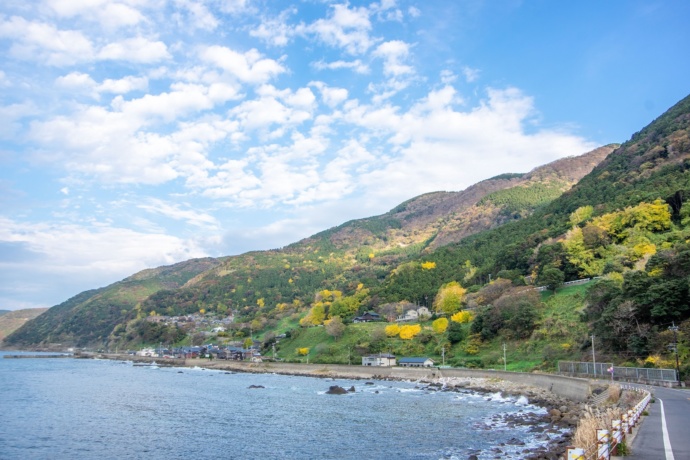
89,317
10,321
602,213
339,257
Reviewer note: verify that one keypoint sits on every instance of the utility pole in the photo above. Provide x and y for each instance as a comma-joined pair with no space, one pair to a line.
505,362
674,328
274,351
594,360
443,355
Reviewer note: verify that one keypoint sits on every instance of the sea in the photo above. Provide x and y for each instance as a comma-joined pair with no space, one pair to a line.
104,409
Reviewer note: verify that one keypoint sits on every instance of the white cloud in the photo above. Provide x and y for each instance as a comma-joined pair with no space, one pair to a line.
88,251
331,96
175,211
393,54
76,80
137,49
469,143
123,85
12,117
249,67
471,75
345,28
199,16
276,31
44,42
4,81
234,6
357,65
108,13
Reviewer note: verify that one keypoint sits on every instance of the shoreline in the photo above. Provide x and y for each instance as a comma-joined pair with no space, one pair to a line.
556,427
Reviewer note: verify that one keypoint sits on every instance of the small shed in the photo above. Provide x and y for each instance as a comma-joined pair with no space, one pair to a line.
416,362
378,360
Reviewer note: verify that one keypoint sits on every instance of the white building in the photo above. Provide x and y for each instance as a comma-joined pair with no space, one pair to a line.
418,314
381,359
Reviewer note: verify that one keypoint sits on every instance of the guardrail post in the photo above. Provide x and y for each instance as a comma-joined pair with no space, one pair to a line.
575,453
632,419
617,435
603,445
624,424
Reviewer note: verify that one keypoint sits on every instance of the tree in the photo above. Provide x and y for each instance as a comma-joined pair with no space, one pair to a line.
248,342
461,317
335,327
410,331
455,332
440,325
449,298
552,278
392,330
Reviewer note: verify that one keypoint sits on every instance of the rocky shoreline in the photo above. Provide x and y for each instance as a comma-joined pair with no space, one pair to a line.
556,427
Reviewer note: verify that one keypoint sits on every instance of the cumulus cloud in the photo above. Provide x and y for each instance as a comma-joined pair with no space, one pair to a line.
276,31
107,13
137,49
394,54
345,28
357,65
45,43
249,67
196,15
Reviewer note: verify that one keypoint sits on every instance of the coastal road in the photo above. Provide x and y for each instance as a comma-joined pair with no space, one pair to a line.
665,432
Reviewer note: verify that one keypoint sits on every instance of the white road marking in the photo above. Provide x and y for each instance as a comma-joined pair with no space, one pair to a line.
667,441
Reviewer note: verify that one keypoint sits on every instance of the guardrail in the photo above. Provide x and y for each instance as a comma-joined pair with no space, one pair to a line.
608,370
608,442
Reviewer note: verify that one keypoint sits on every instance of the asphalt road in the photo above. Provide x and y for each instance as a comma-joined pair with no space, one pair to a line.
665,432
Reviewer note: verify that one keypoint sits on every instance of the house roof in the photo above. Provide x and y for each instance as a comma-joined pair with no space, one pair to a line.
385,355
414,360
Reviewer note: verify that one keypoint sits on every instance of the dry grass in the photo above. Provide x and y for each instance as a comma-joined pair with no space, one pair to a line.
586,432
614,393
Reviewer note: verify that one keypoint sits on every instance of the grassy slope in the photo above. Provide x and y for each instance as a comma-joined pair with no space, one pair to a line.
559,336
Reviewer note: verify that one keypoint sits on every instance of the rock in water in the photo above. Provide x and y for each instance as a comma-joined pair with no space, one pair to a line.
336,390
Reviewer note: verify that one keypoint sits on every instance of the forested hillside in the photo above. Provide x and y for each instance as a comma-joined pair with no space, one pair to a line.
619,214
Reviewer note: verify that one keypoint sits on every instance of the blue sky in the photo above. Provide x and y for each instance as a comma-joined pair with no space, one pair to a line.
139,133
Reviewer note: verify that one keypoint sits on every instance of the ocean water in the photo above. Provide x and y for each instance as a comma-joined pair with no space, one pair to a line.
102,409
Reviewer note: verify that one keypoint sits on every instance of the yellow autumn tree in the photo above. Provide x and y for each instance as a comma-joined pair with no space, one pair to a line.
303,351
410,331
428,265
463,316
581,214
392,330
449,298
440,325
471,270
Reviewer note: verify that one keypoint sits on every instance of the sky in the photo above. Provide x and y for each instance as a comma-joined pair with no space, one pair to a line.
141,133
